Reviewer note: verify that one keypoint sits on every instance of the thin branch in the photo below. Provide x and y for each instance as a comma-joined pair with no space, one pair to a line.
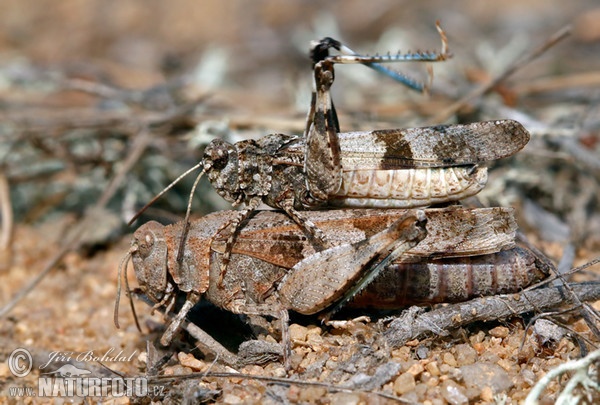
6,213
512,68
274,380
415,323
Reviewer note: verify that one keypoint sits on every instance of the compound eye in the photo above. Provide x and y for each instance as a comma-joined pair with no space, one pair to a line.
221,161
216,155
146,244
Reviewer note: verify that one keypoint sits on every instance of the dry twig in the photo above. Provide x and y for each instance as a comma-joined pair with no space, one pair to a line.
512,68
414,323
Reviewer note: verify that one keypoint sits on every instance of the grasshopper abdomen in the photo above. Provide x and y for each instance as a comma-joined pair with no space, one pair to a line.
405,188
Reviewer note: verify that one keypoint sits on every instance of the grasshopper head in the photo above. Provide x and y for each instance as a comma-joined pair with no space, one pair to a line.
221,165
149,256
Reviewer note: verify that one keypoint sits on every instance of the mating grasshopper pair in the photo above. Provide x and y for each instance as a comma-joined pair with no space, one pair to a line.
325,259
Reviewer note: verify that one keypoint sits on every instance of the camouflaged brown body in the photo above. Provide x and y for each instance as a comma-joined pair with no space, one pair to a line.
383,168
270,244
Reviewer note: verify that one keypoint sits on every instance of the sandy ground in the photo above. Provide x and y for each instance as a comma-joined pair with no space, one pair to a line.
63,143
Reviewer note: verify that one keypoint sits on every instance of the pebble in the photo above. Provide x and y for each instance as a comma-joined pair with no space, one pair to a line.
465,354
345,398
449,359
177,370
416,369
433,368
487,394
314,330
401,354
499,332
404,383
232,399
298,332
188,360
480,375
453,393
312,394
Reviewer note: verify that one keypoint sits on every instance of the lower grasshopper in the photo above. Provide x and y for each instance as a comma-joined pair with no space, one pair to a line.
376,261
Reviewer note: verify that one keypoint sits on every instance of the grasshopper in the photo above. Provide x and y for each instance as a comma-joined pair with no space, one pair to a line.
394,168
379,258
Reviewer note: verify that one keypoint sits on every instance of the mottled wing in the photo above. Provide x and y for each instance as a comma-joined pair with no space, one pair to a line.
436,146
451,232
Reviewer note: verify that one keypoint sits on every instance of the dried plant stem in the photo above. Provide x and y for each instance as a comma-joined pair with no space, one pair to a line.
580,376
414,323
512,68
6,213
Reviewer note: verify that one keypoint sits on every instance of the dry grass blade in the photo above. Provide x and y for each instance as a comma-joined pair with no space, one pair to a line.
511,69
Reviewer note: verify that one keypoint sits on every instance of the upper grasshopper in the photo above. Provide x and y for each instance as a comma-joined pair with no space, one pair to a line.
406,168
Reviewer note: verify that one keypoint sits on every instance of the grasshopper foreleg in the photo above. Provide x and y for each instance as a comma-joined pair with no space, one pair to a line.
191,300
234,225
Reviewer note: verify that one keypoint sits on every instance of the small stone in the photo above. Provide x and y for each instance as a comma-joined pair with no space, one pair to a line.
487,394
420,391
416,369
232,399
331,364
433,368
401,354
314,330
480,348
477,338
465,354
433,382
422,352
188,360
449,359
528,376
177,370
4,370
315,340
480,375
447,370
404,383
506,364
343,398
312,394
275,370
489,357
298,333
453,393
499,332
